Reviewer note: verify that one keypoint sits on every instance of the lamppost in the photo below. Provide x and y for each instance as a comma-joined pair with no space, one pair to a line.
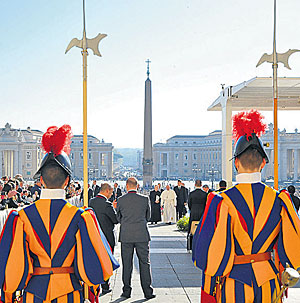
212,172
195,169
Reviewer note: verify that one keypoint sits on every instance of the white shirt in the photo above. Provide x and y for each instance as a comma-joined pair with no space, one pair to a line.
47,193
248,177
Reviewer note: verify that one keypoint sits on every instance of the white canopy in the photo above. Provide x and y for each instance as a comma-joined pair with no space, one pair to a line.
255,93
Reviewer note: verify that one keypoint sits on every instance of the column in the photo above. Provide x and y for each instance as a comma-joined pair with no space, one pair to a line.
295,164
20,159
15,163
227,142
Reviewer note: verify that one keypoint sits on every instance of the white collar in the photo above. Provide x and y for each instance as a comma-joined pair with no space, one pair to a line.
58,193
248,177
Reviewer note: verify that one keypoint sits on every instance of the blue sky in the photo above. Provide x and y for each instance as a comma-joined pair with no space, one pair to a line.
194,46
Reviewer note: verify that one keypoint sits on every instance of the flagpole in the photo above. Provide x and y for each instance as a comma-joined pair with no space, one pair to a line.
274,59
275,103
84,44
84,134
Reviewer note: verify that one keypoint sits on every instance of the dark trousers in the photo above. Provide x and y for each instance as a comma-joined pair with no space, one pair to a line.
142,251
179,211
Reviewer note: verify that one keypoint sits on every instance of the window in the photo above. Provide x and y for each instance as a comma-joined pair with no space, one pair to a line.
185,164
176,156
102,159
185,157
28,155
164,158
81,155
195,156
90,156
28,165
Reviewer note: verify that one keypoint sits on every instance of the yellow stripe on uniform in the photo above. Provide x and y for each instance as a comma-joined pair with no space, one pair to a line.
43,207
264,211
246,191
63,221
15,262
266,293
218,243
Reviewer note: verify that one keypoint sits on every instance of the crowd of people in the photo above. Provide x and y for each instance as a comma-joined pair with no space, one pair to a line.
16,193
240,228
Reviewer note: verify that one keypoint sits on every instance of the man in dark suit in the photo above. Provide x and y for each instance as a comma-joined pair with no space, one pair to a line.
107,219
196,203
90,193
133,212
95,188
181,199
116,193
222,186
291,189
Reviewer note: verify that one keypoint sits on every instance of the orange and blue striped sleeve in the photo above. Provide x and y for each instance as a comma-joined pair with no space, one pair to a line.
288,245
94,261
15,263
213,244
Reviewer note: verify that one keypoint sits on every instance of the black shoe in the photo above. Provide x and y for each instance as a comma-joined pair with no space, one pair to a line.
125,295
106,291
150,297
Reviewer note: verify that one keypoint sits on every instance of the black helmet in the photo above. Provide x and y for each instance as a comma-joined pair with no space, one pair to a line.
56,142
245,142
61,160
247,127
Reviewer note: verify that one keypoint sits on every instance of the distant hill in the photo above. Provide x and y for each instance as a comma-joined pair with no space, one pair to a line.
130,156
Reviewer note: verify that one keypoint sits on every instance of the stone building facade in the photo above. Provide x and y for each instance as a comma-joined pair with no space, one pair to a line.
201,156
21,153
100,158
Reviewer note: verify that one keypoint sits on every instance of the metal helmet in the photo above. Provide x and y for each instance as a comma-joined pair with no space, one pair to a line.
61,160
56,143
247,127
245,142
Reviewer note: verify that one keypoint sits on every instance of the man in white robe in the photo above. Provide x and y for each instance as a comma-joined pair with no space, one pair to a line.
168,202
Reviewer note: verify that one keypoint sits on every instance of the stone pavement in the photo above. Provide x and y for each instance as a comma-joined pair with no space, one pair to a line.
175,278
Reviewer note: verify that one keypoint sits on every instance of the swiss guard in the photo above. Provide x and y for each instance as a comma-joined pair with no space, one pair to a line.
50,248
248,233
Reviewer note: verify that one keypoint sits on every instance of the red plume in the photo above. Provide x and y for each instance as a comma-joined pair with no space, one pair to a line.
57,140
247,123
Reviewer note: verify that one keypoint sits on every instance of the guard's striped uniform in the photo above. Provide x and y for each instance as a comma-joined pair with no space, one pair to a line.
53,233
243,220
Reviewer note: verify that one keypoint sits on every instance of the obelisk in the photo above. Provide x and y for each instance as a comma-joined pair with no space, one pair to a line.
147,156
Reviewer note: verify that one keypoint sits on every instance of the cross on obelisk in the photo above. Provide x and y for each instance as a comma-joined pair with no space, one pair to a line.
148,65
84,44
274,58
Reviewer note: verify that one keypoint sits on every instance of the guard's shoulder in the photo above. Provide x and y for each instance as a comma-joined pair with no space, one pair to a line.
285,196
217,197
